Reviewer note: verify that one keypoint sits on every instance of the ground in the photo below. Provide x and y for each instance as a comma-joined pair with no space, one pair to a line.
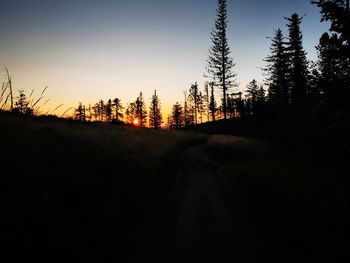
95,192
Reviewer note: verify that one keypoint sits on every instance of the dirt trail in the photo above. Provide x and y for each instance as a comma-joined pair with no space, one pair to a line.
197,224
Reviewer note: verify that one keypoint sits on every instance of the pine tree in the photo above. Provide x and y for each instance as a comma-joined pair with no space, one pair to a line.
201,107
89,115
80,113
260,100
298,74
97,114
131,112
155,115
108,110
102,110
176,118
206,99
230,105
338,13
277,70
193,102
219,63
240,107
118,108
22,104
252,96
334,54
212,103
141,112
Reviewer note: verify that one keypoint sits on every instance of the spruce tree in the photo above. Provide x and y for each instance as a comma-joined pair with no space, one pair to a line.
194,101
334,54
212,103
298,72
252,93
206,99
155,115
277,71
220,64
108,110
118,108
80,112
337,12
140,110
177,116
22,104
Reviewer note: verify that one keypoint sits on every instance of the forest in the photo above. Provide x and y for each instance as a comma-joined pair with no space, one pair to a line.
252,175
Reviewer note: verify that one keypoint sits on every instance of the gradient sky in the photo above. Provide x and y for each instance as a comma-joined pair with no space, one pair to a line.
86,50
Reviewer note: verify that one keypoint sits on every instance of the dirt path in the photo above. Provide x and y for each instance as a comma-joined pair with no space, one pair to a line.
197,225
209,218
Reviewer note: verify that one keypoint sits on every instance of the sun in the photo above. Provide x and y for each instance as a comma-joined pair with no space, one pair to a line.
136,122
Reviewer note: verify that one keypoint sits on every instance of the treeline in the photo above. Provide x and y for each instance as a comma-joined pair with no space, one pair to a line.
134,113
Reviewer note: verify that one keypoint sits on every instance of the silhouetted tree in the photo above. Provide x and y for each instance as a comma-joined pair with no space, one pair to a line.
252,96
277,70
201,106
314,86
206,99
102,110
130,112
118,108
338,14
260,100
298,72
330,66
240,105
97,112
334,58
89,114
193,101
155,115
219,63
141,112
177,117
22,104
188,114
79,112
108,110
212,103
231,109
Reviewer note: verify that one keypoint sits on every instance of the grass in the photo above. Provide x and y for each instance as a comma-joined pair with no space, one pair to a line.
98,192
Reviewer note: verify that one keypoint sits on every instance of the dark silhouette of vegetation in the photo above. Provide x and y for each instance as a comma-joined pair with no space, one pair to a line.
212,102
298,66
219,63
277,70
118,109
177,116
140,110
155,115
193,101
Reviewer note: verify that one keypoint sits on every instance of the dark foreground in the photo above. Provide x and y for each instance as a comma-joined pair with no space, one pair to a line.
102,193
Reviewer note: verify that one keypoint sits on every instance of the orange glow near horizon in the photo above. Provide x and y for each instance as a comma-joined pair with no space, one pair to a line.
136,122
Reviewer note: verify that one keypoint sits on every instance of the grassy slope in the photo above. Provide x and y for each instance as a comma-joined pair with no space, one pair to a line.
98,192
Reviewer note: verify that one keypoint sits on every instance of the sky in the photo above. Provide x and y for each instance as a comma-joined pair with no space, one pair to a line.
87,50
